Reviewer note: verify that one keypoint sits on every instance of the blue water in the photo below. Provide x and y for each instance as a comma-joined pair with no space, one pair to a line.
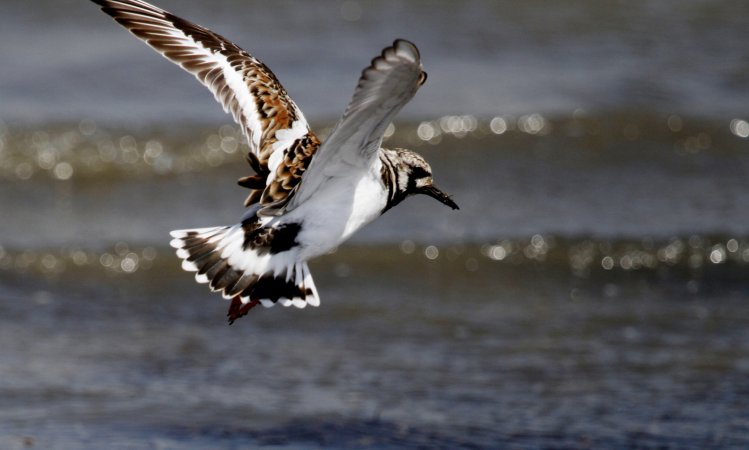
483,57
590,293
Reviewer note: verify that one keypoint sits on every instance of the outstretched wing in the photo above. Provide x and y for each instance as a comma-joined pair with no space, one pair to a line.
281,142
390,81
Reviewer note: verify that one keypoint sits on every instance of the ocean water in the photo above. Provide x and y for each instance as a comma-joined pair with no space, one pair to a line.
591,292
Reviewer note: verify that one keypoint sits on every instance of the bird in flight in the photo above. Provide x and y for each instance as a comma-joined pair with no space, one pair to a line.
306,196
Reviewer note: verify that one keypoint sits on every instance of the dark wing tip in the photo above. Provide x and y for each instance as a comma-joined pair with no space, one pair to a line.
406,46
423,78
401,50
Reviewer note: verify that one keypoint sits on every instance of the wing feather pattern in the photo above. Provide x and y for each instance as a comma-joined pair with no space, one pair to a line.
281,142
385,86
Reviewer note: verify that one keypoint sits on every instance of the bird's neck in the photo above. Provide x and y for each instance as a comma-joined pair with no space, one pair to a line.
394,178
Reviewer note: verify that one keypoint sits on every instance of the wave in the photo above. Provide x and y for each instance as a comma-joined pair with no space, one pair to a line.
86,150
691,256
612,176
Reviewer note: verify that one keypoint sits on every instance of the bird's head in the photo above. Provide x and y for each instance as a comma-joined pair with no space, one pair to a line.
416,178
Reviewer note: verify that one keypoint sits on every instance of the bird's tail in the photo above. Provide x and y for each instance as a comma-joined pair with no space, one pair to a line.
247,276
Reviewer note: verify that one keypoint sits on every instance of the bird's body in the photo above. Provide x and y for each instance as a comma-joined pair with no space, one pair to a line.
306,197
338,210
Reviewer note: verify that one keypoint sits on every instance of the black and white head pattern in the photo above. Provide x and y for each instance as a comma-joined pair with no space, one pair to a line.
405,173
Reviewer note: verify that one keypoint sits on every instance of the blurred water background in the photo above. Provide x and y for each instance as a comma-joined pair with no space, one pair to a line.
590,293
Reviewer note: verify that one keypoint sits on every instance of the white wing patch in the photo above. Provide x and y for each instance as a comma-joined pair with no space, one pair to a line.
247,104
284,140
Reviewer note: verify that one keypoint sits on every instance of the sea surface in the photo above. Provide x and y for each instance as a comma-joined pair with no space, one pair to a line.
591,292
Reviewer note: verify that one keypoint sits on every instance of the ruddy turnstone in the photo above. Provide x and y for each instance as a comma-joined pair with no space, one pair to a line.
306,197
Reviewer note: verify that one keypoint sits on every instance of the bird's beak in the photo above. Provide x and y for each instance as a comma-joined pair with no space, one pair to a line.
438,195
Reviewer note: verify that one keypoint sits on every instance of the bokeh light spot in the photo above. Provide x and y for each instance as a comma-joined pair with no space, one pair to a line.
740,128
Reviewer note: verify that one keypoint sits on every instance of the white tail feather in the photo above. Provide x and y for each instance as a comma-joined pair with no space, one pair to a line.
219,257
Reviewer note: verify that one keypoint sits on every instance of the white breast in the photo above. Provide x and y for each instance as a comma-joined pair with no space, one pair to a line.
341,207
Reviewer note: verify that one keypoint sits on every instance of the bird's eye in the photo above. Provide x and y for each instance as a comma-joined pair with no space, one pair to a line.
418,172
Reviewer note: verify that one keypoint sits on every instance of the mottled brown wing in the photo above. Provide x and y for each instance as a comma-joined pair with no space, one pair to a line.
281,142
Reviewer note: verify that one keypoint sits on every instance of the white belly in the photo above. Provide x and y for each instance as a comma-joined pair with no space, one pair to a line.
336,211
